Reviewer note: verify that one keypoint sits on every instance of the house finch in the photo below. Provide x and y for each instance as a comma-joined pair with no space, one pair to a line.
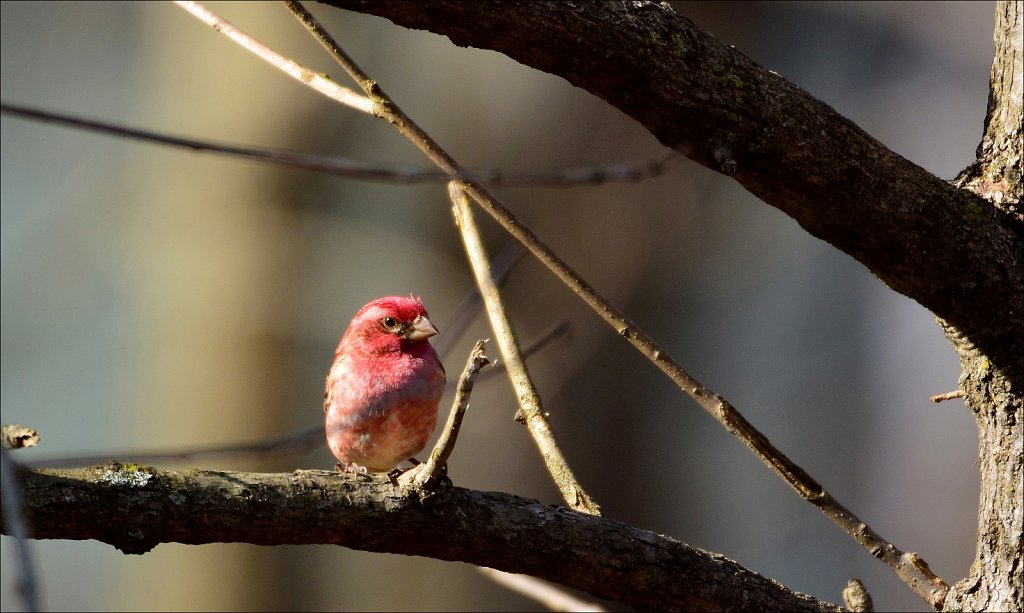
384,386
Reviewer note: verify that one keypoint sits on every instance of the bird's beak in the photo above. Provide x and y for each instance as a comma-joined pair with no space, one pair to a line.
421,329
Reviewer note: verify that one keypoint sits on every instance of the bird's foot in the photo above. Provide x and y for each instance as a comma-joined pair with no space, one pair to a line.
346,468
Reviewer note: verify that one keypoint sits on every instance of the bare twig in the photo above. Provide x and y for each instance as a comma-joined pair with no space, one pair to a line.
908,566
937,398
294,443
317,82
14,524
467,310
432,468
530,410
555,332
551,596
569,176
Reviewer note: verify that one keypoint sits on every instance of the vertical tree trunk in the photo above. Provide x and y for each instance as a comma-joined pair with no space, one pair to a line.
993,390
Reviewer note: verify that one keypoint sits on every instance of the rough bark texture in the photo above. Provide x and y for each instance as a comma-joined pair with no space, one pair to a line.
135,508
996,582
996,174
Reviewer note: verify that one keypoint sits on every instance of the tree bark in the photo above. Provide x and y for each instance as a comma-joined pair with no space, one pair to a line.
996,582
135,508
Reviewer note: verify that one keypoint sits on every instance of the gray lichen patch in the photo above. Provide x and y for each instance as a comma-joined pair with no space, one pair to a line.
126,475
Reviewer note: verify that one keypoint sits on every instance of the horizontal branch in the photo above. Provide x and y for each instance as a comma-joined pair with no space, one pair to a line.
945,247
400,174
135,508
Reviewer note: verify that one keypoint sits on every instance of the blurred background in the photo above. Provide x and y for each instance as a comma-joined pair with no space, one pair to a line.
157,298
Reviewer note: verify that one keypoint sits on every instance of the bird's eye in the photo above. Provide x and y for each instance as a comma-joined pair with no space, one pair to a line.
389,323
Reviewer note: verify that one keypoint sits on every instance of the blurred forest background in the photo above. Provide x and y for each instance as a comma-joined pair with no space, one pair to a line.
156,298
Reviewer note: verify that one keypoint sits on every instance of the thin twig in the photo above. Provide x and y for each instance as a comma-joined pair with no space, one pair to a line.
569,176
937,398
555,332
467,310
530,410
28,585
909,567
438,460
547,594
280,446
317,82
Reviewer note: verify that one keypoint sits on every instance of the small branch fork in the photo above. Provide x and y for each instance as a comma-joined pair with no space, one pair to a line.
908,566
429,473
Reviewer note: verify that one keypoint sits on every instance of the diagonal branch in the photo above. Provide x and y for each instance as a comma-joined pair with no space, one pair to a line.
947,248
437,463
317,82
530,411
135,508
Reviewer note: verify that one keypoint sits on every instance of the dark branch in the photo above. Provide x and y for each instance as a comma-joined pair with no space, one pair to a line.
135,508
945,247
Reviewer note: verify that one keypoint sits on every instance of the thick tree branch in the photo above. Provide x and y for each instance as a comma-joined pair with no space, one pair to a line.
947,248
135,508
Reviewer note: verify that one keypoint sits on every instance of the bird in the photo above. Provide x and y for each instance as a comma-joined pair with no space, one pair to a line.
384,387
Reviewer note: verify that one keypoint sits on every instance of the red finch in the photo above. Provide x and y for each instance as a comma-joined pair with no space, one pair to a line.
384,387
